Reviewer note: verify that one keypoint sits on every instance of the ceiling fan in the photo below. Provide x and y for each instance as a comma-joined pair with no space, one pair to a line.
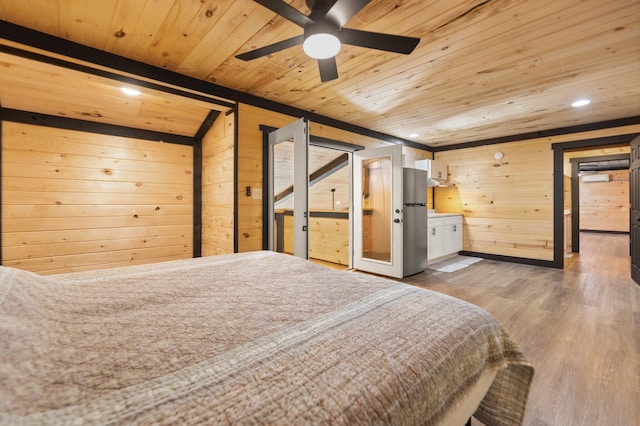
324,32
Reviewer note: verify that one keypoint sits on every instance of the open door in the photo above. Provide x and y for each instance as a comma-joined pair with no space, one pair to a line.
377,211
288,167
634,217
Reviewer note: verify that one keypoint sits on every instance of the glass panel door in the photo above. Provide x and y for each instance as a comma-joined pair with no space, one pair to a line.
377,205
376,208
288,189
284,196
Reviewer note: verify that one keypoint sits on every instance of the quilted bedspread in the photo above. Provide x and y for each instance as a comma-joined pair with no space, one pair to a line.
250,338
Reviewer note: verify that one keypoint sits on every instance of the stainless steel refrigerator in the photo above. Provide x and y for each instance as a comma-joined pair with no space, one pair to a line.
414,200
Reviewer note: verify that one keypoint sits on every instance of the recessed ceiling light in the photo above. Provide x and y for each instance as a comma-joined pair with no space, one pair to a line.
129,91
580,103
413,135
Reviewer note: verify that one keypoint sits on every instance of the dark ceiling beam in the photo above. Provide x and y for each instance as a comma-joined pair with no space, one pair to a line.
206,124
37,119
545,133
49,43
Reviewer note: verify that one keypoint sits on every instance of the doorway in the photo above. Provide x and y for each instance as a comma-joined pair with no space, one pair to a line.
560,179
329,192
325,159
328,186
598,186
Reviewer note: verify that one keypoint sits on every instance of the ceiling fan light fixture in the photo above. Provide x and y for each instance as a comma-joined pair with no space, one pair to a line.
321,45
321,40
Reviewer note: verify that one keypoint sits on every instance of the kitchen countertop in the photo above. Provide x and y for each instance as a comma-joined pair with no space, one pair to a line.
430,214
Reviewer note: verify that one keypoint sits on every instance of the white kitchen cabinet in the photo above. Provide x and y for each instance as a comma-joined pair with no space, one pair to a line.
438,170
435,243
452,235
444,235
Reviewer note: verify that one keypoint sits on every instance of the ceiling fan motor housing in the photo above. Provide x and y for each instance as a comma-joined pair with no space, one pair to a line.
321,27
319,8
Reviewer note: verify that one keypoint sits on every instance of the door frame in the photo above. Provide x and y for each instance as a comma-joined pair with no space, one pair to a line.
575,193
558,184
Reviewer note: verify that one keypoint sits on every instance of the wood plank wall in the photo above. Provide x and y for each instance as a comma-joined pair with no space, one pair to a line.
595,152
508,203
604,206
328,237
217,187
74,201
250,164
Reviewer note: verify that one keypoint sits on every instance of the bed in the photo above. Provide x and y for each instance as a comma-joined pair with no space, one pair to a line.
249,338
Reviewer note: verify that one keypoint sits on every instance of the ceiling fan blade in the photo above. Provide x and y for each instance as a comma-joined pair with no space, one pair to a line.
272,48
343,10
286,11
328,69
379,41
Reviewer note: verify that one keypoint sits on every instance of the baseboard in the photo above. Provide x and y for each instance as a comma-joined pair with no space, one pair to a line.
511,259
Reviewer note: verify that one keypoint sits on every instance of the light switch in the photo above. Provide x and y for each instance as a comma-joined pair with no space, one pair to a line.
256,194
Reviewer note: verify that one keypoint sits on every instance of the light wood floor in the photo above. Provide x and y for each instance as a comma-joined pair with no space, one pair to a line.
579,326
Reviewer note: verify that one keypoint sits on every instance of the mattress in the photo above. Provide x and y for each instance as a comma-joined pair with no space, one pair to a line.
249,338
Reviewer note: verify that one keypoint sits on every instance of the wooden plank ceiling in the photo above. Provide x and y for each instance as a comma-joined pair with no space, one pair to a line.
483,69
